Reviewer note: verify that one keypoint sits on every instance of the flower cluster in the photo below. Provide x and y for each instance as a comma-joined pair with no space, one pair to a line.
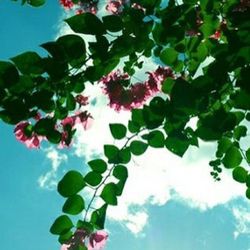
115,6
127,98
25,134
31,141
81,7
81,117
96,241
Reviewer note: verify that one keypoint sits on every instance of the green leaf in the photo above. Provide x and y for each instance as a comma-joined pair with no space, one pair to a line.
28,63
93,178
98,165
137,117
64,238
54,136
156,139
111,152
133,127
138,147
70,102
177,143
248,193
248,155
36,3
240,131
44,126
169,56
70,184
119,187
109,194
8,74
167,85
86,23
223,145
112,23
240,174
232,157
124,156
98,217
61,225
86,226
120,172
73,205
118,130
74,48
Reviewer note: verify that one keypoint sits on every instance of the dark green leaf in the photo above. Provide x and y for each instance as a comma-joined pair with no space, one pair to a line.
240,131
93,178
61,225
111,152
223,145
74,48
70,184
28,63
64,238
36,3
86,226
156,139
109,194
177,143
138,147
8,74
232,158
248,193
86,23
124,156
98,217
98,165
73,205
248,155
120,172
240,174
169,56
118,130
112,23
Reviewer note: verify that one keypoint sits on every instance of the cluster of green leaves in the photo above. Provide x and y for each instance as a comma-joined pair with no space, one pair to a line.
180,36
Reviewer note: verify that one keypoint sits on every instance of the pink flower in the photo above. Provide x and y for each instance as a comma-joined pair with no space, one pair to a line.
97,240
216,35
157,78
114,7
32,141
65,247
84,118
68,121
82,100
140,93
67,4
90,6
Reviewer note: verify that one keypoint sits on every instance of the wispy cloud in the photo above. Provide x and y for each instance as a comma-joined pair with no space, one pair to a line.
242,218
49,180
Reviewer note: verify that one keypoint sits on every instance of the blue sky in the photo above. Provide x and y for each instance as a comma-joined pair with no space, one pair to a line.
180,209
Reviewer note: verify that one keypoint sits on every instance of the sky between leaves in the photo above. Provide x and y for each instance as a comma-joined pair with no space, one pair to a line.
169,203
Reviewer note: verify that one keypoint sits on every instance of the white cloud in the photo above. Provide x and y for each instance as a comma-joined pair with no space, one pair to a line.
49,179
158,176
